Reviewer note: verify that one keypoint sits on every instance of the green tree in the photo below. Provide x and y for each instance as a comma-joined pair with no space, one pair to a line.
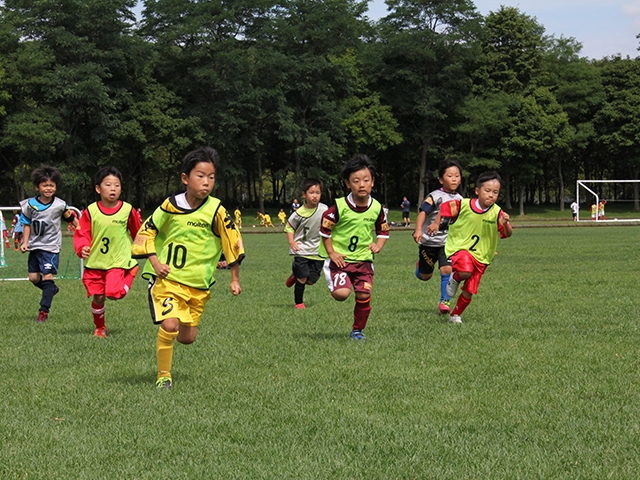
422,50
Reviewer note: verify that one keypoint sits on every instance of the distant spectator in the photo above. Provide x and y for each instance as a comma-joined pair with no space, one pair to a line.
406,208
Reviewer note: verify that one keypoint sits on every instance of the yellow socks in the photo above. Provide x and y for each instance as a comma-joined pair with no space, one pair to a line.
164,351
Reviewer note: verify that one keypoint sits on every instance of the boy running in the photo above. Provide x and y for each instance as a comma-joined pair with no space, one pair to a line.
474,227
183,240
303,234
42,235
347,232
430,239
104,240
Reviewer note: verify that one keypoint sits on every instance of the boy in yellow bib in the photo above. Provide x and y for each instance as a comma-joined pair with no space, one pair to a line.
183,240
474,227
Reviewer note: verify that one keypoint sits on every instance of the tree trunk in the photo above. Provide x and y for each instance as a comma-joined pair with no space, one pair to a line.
260,180
507,193
423,170
561,182
521,200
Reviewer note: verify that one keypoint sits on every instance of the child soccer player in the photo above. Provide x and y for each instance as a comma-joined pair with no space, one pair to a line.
282,217
430,238
183,240
347,232
42,236
104,240
17,229
474,227
303,234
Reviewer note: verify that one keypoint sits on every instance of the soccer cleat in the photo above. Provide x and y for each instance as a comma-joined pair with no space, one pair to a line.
164,382
100,332
42,316
445,307
455,319
452,286
290,281
300,306
357,334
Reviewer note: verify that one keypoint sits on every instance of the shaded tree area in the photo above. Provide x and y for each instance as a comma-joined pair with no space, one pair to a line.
290,89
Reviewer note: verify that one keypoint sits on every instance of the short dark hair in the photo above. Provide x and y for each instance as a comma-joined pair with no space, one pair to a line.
104,172
487,177
358,162
448,163
44,173
202,154
311,182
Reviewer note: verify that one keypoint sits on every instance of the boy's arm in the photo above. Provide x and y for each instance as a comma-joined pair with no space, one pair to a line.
25,238
417,233
505,228
335,257
134,222
292,243
144,247
382,232
230,237
235,287
82,236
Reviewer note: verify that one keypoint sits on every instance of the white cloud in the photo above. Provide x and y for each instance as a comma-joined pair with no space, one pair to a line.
631,9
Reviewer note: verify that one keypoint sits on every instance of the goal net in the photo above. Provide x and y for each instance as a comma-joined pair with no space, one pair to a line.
13,264
608,200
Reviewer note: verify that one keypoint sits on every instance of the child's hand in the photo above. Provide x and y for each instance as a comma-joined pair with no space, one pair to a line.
24,247
433,229
295,246
337,258
84,253
235,287
417,235
505,218
374,248
162,270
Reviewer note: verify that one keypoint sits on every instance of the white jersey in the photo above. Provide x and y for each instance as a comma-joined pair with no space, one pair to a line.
45,223
306,229
436,198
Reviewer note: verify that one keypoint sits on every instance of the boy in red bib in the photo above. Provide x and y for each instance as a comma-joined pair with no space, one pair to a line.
474,227
104,240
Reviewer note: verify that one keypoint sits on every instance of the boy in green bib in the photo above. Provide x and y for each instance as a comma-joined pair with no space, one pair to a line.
474,227
103,239
348,229
182,242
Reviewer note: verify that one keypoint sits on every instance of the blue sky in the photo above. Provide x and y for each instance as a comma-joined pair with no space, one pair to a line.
604,27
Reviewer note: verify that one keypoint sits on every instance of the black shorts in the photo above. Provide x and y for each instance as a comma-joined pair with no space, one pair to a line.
429,256
307,268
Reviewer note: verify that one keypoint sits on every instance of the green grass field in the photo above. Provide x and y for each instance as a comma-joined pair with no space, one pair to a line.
541,381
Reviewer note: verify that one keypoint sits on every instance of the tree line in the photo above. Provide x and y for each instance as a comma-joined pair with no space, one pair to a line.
292,88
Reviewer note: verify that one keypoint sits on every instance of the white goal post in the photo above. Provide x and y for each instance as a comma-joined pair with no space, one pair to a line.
582,184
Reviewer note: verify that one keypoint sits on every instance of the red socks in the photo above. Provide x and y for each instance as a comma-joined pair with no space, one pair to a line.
461,304
98,314
361,313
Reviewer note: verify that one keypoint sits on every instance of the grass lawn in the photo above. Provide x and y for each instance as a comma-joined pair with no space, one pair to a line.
541,380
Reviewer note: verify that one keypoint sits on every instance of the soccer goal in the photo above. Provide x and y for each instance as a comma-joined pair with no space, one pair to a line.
608,200
13,265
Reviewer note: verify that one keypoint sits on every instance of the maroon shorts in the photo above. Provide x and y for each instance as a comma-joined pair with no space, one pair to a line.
113,283
463,261
358,276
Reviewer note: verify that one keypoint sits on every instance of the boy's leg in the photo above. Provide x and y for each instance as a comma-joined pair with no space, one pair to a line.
167,334
97,310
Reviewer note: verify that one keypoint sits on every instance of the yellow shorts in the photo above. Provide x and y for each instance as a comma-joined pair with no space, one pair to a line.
169,299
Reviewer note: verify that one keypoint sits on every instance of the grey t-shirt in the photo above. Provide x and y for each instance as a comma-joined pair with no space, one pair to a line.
435,199
44,220
305,225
